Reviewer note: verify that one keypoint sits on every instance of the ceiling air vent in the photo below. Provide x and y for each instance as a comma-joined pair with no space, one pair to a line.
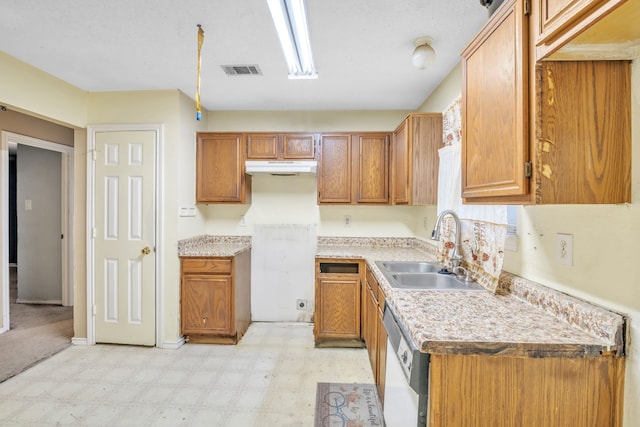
241,70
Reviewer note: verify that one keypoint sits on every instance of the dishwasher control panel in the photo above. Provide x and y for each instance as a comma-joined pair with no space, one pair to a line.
414,363
405,356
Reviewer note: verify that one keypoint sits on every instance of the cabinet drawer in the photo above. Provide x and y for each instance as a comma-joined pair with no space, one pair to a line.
206,265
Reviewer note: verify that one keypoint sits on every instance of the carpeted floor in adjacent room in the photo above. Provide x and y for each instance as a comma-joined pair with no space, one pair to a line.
37,332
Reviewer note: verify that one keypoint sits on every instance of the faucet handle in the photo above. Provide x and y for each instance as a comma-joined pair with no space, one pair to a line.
464,271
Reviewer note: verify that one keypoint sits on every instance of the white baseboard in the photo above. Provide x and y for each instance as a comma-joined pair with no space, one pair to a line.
172,345
79,341
31,301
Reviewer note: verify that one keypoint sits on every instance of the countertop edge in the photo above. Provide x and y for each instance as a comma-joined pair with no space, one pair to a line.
550,301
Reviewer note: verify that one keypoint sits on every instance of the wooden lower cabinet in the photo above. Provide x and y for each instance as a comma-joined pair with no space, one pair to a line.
375,335
502,391
381,366
215,304
337,306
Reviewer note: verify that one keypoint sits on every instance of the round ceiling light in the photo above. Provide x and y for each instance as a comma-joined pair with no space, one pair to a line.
423,55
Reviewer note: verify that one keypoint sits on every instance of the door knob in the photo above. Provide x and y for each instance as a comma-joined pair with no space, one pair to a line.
146,250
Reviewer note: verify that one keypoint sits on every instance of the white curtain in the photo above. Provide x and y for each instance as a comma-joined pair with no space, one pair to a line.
449,190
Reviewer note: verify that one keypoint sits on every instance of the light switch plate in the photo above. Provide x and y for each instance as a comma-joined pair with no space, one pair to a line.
186,211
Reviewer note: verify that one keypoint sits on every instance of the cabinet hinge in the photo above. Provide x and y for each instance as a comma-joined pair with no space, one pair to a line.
528,169
527,7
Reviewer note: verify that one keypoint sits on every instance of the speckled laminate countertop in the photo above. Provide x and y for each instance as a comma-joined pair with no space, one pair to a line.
550,324
526,319
213,246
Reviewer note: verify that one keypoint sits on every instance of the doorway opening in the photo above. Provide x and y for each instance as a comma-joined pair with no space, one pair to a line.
37,284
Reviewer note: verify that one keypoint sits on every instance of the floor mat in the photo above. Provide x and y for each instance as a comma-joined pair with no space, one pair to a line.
348,405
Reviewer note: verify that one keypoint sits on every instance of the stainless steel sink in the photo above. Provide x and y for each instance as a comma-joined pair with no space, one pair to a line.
410,266
431,281
422,275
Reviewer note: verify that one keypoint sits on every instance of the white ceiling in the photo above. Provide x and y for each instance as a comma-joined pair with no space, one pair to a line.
362,48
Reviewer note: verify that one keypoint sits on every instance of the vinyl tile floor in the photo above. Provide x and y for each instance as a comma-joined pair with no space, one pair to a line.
269,379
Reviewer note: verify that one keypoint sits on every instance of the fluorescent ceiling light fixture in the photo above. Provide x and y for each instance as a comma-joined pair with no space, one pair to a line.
290,19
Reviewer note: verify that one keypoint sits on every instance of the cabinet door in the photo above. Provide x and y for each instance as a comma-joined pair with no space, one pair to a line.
298,146
414,159
426,140
382,354
583,150
220,168
206,305
372,168
339,306
262,146
372,330
334,169
495,106
400,166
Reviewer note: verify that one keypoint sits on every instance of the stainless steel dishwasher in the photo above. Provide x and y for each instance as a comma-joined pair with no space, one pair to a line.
406,377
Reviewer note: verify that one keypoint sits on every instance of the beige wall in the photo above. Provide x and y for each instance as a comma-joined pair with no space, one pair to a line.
27,89
23,124
448,90
305,121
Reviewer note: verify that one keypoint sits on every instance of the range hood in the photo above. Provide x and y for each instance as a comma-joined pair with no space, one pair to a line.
281,167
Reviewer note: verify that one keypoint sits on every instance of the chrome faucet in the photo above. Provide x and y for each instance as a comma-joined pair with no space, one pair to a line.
456,257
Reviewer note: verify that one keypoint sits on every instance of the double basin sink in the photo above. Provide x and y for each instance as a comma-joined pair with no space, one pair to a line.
416,275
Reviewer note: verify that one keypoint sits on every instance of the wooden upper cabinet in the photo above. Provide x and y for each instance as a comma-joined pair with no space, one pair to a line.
334,169
298,146
400,168
546,132
414,159
220,176
582,132
371,178
263,146
353,168
560,22
495,106
280,146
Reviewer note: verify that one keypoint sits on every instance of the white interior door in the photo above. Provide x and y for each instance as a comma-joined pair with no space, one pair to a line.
124,237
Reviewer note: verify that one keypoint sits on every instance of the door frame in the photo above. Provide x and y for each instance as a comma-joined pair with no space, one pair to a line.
66,204
92,130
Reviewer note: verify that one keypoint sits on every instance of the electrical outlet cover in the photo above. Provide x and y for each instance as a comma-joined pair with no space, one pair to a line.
564,249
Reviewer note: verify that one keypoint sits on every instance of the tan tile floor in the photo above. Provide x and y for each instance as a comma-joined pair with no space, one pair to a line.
269,379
